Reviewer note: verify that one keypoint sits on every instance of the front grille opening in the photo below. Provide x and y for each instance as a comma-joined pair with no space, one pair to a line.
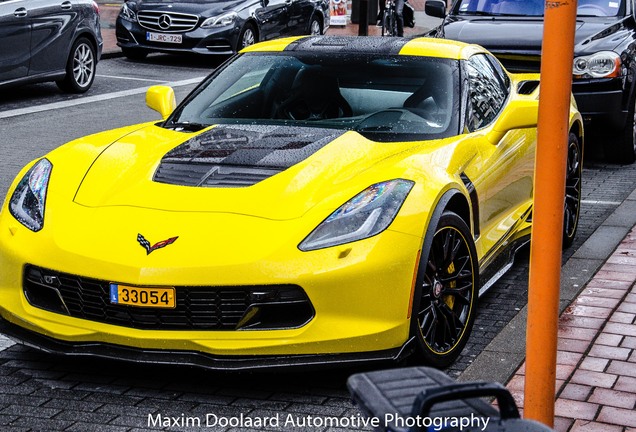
44,294
170,22
197,307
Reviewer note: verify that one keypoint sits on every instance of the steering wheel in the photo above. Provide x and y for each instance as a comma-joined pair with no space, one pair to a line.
297,107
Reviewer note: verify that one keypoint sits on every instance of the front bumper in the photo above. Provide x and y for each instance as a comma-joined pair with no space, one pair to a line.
360,292
195,358
215,41
602,101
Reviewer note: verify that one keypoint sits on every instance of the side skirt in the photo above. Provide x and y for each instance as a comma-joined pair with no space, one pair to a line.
501,264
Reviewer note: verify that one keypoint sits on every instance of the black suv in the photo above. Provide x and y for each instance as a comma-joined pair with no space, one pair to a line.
604,67
49,40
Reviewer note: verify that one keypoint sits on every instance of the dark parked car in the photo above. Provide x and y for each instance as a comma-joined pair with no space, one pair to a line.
49,40
604,69
214,27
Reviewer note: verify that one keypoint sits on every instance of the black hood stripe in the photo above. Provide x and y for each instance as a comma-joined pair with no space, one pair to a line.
240,155
349,44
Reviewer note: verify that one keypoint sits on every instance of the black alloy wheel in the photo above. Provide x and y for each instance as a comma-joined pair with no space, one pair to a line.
80,67
572,204
446,296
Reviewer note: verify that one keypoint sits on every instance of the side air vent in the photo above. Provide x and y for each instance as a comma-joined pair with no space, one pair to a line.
211,175
527,87
474,201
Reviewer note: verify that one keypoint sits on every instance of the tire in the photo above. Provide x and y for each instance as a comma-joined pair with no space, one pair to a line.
247,37
385,23
80,67
134,53
445,300
573,182
315,28
622,147
389,24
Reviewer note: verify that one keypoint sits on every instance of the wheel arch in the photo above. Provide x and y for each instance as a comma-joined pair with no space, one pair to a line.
321,20
91,38
577,129
254,23
453,200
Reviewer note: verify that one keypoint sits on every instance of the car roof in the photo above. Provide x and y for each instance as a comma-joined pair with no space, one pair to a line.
427,47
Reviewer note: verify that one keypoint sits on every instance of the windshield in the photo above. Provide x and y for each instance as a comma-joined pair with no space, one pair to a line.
595,8
385,98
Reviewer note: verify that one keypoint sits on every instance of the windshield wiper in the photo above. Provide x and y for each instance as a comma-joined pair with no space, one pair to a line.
479,13
186,126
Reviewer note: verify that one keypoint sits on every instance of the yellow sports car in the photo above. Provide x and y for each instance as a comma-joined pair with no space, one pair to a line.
315,200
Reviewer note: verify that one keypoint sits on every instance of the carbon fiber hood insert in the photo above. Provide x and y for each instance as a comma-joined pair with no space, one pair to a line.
240,155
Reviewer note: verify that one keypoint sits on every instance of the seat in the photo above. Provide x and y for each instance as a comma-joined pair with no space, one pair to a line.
313,96
426,101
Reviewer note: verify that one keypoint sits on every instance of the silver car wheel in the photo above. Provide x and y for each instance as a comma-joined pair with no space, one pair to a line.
248,38
314,29
83,65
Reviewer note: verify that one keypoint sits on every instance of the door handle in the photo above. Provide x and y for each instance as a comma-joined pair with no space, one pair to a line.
20,12
66,5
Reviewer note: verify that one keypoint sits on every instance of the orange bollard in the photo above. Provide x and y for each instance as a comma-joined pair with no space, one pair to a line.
549,193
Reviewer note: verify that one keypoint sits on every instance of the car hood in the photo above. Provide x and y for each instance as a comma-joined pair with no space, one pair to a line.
524,35
204,8
266,171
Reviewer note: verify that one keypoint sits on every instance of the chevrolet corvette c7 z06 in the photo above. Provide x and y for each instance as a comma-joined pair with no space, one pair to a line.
315,200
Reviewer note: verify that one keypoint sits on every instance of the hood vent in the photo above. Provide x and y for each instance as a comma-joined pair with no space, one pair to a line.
211,175
240,155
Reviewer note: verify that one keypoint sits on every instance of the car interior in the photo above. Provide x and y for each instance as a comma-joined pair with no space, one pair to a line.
380,99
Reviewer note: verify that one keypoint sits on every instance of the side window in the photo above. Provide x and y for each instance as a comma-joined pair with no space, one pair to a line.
487,92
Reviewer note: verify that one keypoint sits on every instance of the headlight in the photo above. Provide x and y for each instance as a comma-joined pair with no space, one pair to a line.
365,215
220,21
29,198
599,65
126,13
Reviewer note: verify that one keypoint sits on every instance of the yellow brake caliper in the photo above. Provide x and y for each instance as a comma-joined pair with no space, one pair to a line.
450,299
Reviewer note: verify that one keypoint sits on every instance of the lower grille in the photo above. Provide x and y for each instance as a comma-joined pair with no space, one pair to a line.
197,307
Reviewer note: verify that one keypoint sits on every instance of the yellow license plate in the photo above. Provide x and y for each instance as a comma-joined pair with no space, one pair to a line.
142,297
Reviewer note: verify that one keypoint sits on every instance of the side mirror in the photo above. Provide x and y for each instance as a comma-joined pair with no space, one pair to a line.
435,8
519,114
161,99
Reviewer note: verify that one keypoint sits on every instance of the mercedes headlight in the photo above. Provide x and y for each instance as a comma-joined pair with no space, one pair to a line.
220,21
365,215
126,13
599,65
29,198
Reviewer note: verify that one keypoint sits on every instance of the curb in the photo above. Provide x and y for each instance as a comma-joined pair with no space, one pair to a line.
507,351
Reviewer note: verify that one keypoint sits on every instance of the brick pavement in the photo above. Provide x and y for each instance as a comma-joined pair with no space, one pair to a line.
596,359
